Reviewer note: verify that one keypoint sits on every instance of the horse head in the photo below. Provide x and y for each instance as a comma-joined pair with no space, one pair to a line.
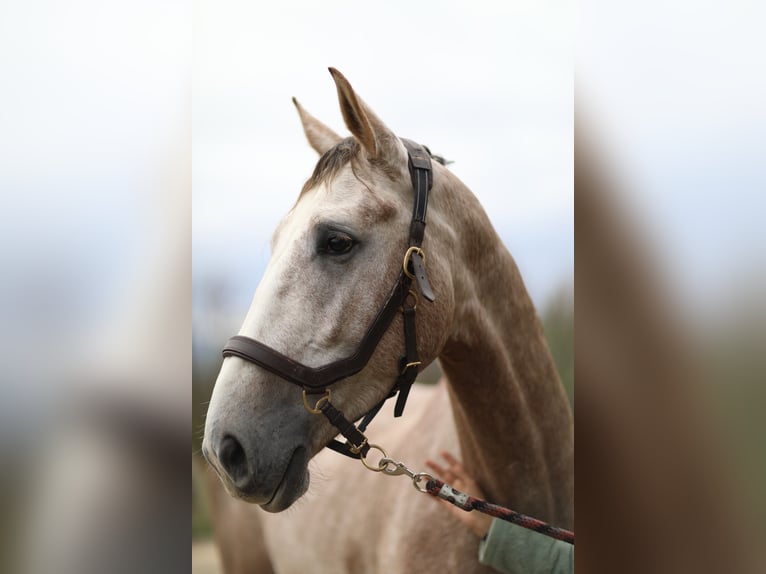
334,258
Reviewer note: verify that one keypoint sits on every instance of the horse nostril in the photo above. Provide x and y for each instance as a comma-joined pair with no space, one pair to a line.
233,458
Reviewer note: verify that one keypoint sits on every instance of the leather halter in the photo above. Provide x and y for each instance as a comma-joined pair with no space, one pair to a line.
316,380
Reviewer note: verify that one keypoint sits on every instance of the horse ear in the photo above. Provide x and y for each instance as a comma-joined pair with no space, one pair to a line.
319,135
377,140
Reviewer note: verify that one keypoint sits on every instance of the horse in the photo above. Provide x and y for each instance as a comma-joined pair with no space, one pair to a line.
500,405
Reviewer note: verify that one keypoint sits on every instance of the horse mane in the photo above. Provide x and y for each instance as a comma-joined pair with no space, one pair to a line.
438,158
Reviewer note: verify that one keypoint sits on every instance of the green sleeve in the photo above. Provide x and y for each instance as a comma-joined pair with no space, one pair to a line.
511,548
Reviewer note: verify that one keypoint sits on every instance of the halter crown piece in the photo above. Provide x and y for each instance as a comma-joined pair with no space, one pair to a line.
317,380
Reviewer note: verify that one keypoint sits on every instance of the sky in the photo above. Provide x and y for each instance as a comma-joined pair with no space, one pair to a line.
108,106
95,141
112,112
490,89
673,93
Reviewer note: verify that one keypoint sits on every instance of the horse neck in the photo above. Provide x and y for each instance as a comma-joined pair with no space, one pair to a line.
512,416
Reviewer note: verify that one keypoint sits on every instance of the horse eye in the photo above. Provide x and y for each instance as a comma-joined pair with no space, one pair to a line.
339,243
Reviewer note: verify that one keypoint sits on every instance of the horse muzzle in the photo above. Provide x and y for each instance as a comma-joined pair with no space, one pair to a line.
274,484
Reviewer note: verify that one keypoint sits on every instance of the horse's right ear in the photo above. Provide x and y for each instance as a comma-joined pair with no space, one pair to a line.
378,141
319,135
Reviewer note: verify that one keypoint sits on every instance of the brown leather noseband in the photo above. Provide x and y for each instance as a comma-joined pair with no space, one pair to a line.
317,380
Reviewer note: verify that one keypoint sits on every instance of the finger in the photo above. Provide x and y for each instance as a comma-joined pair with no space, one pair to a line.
437,468
448,474
457,467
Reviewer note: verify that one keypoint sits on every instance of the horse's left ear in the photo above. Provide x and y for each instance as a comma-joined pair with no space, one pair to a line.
378,141
320,137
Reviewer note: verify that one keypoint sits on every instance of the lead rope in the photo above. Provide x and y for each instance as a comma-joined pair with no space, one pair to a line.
359,445
436,487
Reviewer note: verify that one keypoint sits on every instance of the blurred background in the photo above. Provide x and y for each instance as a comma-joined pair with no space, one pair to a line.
95,328
102,105
671,270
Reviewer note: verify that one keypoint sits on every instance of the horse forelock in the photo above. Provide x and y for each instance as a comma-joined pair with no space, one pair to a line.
333,160
349,153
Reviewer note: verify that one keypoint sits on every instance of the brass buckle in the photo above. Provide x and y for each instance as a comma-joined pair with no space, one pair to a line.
408,365
316,410
407,256
357,449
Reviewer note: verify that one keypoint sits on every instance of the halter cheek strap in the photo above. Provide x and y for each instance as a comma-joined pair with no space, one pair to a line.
317,380
422,181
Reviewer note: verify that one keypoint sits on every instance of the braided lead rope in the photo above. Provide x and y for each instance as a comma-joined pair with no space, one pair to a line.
440,489
436,487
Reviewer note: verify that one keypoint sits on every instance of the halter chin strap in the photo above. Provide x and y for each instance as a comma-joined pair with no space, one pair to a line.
317,380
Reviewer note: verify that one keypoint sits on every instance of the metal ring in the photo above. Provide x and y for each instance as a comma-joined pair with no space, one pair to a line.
407,256
415,296
418,478
316,410
378,468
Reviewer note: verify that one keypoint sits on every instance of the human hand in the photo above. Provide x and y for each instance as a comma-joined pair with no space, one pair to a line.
455,475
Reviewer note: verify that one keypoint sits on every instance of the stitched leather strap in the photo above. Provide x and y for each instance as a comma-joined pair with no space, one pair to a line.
409,363
421,173
316,379
357,442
